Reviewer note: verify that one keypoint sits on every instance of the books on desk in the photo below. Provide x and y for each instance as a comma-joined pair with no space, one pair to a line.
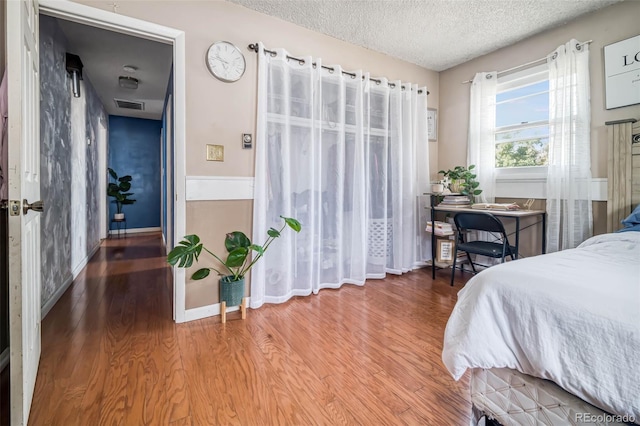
441,228
496,206
456,201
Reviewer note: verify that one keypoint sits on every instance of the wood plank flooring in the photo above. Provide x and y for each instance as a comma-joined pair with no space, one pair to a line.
112,355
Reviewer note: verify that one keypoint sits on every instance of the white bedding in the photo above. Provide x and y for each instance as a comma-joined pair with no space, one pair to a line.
572,317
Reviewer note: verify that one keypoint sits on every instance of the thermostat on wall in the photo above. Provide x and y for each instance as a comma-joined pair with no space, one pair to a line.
246,140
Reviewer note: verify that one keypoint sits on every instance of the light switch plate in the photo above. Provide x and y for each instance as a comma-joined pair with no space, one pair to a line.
215,152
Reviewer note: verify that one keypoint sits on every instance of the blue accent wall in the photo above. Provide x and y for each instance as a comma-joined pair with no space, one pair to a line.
134,149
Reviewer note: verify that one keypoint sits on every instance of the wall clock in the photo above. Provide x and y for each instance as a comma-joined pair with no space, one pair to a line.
225,61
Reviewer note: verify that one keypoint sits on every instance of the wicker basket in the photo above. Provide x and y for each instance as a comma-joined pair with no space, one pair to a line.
231,291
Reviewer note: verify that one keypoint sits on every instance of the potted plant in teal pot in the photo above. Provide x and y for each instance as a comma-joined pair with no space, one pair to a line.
119,190
236,265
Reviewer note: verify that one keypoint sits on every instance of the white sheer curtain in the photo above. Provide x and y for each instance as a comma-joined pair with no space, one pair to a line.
482,126
338,153
570,217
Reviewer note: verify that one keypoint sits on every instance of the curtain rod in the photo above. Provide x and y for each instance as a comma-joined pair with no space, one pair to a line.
527,64
254,47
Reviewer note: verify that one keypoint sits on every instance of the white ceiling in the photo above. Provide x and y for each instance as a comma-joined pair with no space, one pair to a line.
435,34
104,53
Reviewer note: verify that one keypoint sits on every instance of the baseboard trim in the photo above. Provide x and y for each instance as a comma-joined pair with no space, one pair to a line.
135,230
67,283
209,311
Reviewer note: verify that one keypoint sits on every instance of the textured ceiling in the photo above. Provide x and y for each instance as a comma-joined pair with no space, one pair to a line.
435,34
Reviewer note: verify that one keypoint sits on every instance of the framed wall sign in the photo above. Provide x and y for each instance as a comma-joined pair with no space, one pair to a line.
622,73
432,124
445,250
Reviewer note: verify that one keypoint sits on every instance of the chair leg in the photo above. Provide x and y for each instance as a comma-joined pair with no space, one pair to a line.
453,267
473,268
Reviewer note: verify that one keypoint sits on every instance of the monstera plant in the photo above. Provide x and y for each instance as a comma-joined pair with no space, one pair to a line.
237,263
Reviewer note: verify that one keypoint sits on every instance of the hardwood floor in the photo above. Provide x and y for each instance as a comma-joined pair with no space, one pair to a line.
112,355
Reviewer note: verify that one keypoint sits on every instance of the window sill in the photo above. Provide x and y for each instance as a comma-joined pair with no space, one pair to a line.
532,186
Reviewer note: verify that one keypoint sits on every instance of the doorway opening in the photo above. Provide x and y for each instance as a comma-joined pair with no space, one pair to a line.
170,169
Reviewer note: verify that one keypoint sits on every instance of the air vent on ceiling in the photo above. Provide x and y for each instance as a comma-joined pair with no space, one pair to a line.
123,103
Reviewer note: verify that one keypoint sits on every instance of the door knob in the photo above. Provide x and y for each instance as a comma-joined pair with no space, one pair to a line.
37,206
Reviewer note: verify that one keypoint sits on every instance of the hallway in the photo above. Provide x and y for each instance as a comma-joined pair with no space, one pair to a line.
110,342
111,353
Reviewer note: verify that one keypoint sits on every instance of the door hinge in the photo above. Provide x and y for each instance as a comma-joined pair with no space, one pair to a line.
14,208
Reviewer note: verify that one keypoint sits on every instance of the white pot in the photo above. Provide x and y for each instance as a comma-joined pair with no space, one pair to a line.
437,188
118,216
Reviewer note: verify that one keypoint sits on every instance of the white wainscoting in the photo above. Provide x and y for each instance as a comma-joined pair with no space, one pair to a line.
210,188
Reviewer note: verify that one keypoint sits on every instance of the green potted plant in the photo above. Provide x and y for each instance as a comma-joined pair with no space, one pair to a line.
118,190
235,266
462,180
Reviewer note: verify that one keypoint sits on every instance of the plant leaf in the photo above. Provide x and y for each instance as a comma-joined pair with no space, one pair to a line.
112,189
236,257
235,240
175,255
113,173
184,253
200,274
191,239
126,178
257,248
293,223
124,186
473,166
477,192
273,233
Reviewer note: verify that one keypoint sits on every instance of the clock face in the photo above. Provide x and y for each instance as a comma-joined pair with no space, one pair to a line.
225,61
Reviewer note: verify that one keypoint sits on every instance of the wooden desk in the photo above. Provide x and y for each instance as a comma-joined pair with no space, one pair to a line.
516,214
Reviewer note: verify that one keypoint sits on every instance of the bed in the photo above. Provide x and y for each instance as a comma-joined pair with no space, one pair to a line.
555,339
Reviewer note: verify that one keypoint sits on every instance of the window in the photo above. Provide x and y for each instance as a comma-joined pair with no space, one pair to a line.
522,119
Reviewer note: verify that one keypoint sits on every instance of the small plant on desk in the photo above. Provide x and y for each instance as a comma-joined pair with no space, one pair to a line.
463,180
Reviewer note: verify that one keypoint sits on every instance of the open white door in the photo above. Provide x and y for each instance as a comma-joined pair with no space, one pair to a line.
24,188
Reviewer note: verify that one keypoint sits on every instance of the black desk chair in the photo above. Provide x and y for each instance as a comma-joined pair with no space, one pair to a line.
480,221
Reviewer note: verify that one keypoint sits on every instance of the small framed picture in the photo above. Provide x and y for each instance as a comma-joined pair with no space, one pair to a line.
445,250
432,124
